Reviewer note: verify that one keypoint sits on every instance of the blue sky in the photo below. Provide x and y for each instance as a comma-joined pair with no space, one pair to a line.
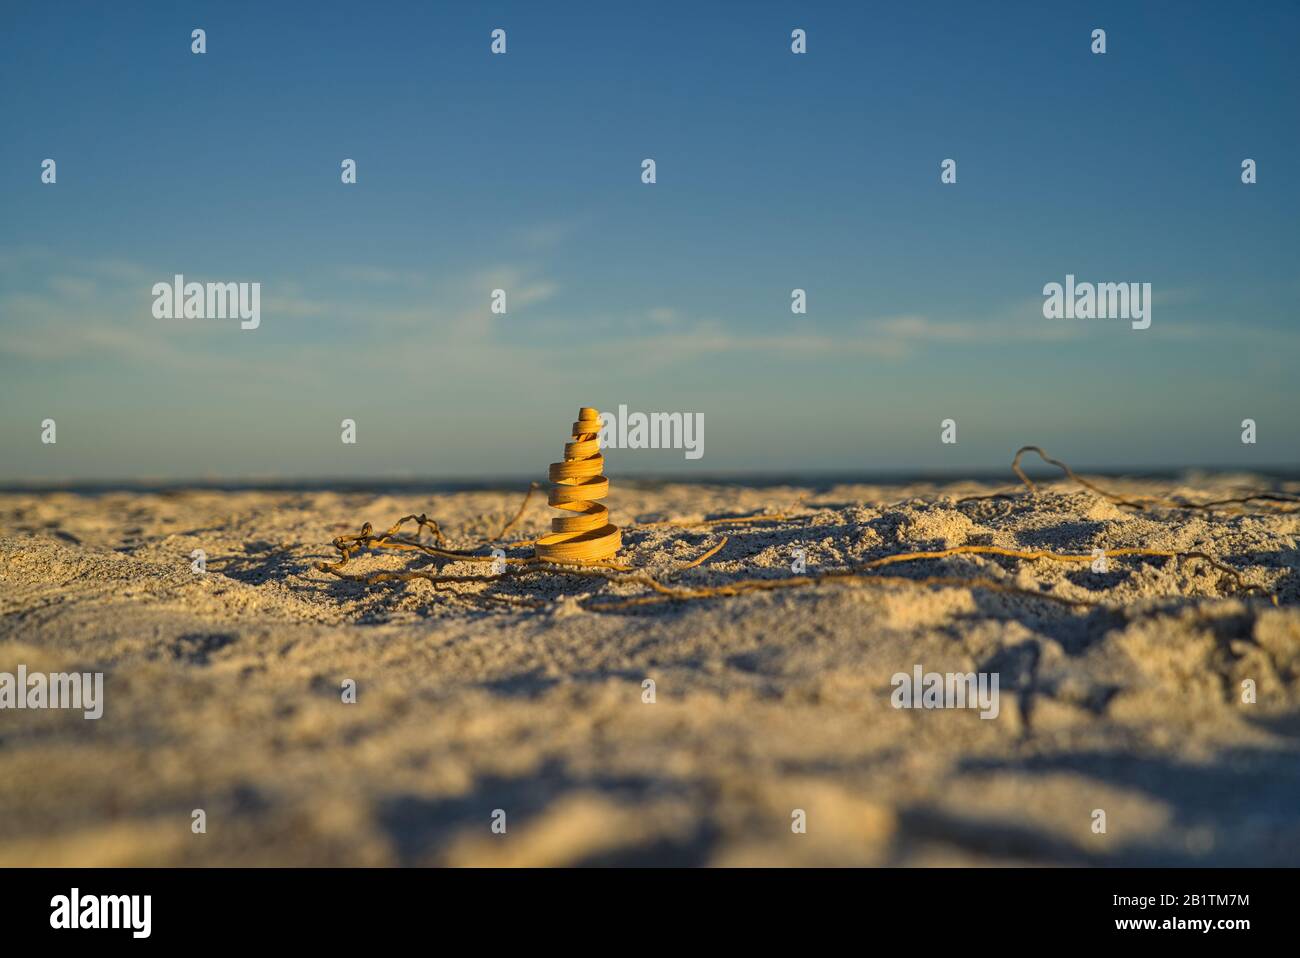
522,172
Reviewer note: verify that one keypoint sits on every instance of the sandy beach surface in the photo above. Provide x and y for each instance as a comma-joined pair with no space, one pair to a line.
1128,693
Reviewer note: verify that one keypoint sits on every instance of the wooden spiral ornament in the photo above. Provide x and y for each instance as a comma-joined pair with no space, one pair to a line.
585,536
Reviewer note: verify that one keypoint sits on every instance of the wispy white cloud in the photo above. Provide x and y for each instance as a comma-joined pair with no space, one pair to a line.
101,309
383,276
546,236
54,310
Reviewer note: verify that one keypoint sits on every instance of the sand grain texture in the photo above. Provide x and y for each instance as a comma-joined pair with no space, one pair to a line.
223,689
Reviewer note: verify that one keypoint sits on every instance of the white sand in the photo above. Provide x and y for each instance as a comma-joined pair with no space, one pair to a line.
223,689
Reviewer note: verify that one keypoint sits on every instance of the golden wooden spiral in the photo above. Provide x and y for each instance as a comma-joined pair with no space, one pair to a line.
586,536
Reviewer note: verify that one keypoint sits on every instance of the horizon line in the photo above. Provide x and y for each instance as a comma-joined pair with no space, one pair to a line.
515,482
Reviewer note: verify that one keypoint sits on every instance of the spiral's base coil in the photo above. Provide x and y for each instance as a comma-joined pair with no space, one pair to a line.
586,536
